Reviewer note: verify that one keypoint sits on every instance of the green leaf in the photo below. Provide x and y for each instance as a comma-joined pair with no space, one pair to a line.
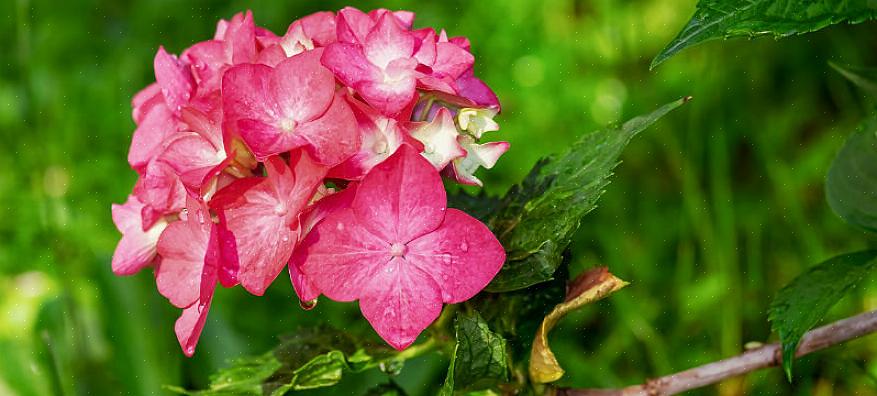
536,220
311,358
802,303
851,186
863,77
716,19
480,356
480,206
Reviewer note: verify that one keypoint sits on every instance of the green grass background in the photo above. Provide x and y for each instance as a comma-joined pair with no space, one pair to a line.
712,211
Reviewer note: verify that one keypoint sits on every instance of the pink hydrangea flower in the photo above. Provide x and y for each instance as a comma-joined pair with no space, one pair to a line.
290,106
240,136
380,65
399,250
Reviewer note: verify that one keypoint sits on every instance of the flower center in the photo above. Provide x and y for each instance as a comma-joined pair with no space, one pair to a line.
398,249
287,125
280,210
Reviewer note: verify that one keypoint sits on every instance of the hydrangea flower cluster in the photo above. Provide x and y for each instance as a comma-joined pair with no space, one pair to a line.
320,151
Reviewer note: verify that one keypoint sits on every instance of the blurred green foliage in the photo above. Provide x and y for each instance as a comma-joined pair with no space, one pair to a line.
714,209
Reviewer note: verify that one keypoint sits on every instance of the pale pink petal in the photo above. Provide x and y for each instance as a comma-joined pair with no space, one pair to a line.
462,256
339,256
302,87
189,326
477,156
136,249
333,137
426,49
439,138
402,198
400,301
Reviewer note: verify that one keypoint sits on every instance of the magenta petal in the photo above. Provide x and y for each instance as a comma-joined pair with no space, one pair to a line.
451,60
400,301
339,256
189,326
304,288
144,100
401,198
462,256
319,27
302,87
193,158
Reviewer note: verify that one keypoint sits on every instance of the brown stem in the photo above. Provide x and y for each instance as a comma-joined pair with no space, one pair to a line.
765,356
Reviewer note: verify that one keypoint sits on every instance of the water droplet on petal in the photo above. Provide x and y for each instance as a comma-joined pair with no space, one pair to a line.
308,305
200,217
184,214
285,238
340,227
464,246
428,148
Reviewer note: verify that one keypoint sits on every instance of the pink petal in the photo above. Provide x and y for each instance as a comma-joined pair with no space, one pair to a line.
400,301
240,38
462,256
304,288
183,247
271,56
193,158
402,198
174,78
353,25
380,136
266,140
405,18
190,324
302,87
148,139
264,219
349,64
451,60
320,27
339,256
388,42
160,190
245,93
333,137
144,100
476,90
136,249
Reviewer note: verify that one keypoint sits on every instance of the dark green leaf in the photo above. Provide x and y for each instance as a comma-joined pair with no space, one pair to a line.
311,358
388,389
802,303
536,220
863,77
480,206
480,357
716,19
851,186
